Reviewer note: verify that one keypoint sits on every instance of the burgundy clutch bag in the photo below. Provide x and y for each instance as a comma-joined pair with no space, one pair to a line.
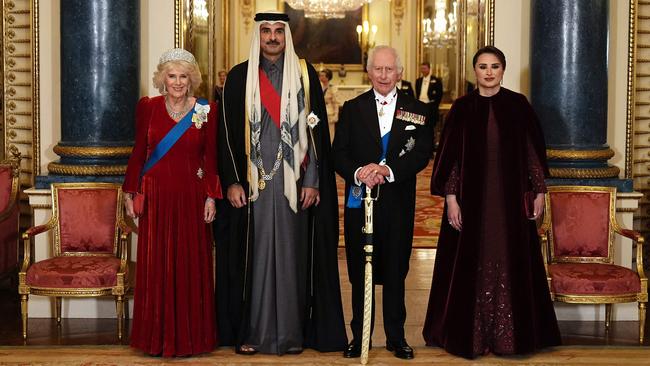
529,204
138,204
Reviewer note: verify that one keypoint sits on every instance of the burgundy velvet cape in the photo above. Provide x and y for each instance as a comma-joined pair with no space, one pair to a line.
450,316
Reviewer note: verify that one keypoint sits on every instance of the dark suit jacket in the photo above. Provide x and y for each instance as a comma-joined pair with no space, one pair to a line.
435,90
407,88
357,143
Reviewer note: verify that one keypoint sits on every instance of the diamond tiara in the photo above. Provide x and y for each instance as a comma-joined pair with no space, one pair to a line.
177,54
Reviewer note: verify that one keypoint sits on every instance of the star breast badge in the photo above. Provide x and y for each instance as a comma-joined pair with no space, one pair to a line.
410,143
312,120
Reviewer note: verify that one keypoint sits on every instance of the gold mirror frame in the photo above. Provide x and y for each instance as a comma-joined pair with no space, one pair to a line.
194,32
485,36
631,89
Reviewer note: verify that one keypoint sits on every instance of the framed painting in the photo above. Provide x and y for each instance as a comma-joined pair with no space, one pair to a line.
330,42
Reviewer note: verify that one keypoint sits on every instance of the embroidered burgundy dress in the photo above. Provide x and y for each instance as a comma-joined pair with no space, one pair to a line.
174,297
489,290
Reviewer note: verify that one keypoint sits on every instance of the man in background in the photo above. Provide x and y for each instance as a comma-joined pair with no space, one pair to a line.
218,89
428,89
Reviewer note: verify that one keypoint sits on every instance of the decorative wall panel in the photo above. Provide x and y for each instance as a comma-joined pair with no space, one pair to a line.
20,105
639,113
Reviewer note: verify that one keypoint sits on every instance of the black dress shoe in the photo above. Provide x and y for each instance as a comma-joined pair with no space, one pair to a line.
245,350
353,350
400,349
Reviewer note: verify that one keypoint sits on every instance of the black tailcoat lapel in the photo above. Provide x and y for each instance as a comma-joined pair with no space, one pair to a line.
370,118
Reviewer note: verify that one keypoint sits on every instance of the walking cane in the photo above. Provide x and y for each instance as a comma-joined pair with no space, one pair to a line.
368,201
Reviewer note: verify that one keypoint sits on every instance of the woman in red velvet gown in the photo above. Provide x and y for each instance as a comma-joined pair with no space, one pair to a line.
489,292
174,297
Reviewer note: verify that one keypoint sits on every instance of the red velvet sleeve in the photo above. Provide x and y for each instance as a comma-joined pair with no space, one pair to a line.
139,153
212,182
535,170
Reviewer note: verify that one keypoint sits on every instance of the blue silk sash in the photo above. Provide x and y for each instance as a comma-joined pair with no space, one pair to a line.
170,138
356,192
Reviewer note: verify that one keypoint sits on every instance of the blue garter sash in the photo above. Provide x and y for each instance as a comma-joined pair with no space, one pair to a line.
356,192
170,138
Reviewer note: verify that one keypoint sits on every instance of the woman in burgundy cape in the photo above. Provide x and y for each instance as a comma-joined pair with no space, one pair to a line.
489,292
174,303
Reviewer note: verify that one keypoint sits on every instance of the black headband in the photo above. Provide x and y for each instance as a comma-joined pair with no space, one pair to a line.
271,17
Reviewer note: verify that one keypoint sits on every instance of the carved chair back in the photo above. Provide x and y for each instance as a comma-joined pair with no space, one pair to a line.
87,217
581,224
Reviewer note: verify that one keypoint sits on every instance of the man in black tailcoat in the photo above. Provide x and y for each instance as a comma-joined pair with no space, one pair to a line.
428,89
383,139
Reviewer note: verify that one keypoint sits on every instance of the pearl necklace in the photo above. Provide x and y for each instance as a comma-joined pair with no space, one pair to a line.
173,114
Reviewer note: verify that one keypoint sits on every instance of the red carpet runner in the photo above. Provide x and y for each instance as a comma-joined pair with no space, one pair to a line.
428,211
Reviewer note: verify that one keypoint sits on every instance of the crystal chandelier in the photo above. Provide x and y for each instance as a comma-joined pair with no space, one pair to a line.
443,32
320,9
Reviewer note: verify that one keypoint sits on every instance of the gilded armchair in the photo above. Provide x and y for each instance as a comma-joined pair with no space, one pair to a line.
9,215
89,245
578,246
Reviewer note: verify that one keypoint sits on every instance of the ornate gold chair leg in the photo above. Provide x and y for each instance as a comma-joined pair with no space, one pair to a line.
642,307
23,312
119,305
57,309
608,316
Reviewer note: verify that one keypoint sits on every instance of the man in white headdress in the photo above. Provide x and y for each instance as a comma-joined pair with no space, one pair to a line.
277,276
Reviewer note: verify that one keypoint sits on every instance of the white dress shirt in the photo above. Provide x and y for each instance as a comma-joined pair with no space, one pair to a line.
385,113
424,88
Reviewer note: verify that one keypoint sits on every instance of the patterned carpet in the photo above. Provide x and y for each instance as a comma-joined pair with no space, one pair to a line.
428,211
123,355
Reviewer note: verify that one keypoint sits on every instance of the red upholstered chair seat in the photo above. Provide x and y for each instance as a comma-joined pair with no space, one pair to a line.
5,186
593,279
74,272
